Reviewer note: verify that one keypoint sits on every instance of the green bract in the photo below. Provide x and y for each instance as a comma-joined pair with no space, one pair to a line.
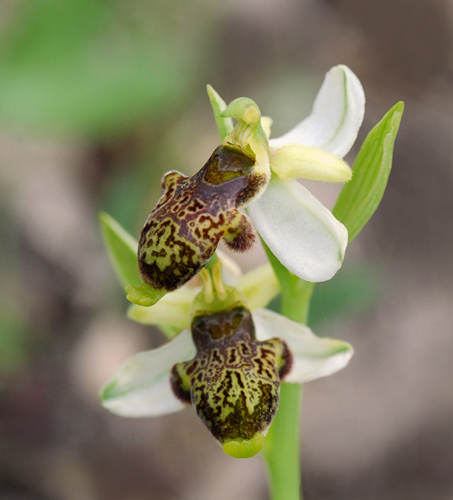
360,198
122,250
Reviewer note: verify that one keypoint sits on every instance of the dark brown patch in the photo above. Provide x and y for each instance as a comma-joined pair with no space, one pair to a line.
194,213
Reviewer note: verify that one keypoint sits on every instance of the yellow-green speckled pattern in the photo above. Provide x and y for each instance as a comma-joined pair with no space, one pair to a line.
234,380
194,213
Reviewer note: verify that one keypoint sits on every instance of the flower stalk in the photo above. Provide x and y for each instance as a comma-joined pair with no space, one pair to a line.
282,449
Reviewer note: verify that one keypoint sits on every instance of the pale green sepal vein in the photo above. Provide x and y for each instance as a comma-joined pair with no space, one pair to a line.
224,125
360,198
122,250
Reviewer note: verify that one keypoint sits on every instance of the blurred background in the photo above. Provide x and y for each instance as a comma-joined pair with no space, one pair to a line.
97,100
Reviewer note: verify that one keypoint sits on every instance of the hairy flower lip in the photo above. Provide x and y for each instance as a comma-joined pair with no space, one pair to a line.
141,385
194,214
233,382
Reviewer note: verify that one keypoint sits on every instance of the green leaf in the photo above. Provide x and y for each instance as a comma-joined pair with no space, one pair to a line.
122,250
224,125
360,197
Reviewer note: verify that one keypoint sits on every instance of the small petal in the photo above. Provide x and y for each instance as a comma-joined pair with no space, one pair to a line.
313,357
336,116
141,386
260,286
300,231
173,309
303,162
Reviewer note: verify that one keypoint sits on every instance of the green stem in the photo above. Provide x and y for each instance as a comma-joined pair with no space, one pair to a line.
282,448
296,300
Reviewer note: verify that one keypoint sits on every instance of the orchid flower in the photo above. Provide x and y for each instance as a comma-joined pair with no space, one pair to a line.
298,229
226,354
194,213
227,361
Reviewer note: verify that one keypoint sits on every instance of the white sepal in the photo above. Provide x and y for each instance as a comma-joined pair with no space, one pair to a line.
141,385
300,231
313,357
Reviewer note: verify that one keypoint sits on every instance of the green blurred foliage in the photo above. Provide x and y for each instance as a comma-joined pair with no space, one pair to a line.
13,339
91,67
351,292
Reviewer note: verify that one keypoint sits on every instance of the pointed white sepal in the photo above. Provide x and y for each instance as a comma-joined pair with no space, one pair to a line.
300,231
336,116
313,357
141,385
